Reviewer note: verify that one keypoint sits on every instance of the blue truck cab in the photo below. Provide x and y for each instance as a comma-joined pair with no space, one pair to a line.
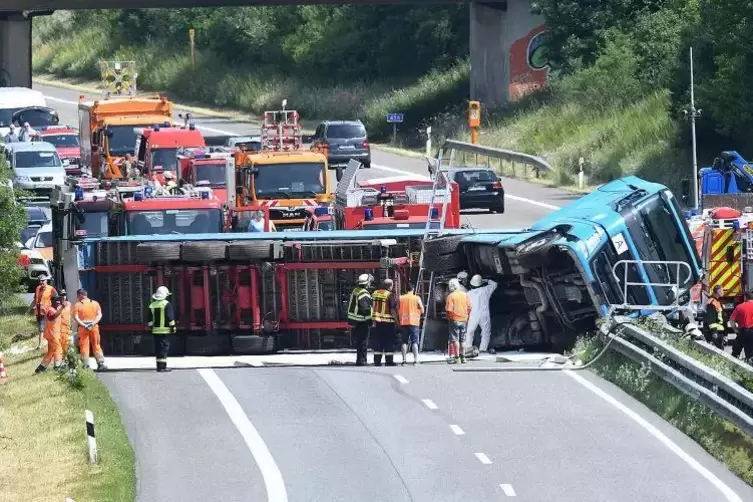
729,174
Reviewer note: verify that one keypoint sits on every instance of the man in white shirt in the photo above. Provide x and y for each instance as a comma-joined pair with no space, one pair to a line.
480,316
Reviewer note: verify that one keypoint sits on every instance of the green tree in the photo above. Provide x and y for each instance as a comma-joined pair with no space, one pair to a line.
13,220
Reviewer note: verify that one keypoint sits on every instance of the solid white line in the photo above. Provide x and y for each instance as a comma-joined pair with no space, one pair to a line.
430,404
483,458
273,481
728,493
508,490
531,201
457,430
400,378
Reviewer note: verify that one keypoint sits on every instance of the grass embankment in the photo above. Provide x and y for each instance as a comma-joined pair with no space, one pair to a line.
718,436
43,433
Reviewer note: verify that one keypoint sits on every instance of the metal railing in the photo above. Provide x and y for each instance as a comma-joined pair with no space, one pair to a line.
691,377
675,285
537,164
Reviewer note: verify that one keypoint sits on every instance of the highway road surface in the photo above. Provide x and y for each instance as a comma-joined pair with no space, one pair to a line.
424,433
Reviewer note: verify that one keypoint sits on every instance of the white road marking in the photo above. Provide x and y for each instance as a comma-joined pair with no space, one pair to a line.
483,458
508,490
430,404
400,378
728,493
273,481
457,430
374,166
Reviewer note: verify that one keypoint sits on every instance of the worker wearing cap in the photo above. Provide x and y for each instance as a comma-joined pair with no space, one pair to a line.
359,316
741,322
52,335
410,310
65,322
458,309
87,314
384,315
27,133
162,323
463,280
42,298
480,295
713,323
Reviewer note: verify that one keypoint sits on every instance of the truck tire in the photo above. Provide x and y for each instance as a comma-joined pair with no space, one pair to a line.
443,245
198,252
443,262
155,252
253,344
208,345
250,250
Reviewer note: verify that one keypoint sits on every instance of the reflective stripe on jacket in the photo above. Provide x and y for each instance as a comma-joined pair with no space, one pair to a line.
355,312
163,321
380,309
715,315
410,310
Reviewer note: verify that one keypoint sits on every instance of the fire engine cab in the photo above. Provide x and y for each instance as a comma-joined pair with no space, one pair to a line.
157,149
206,167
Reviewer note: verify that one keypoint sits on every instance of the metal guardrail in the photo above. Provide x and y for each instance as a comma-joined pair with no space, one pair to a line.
689,376
498,153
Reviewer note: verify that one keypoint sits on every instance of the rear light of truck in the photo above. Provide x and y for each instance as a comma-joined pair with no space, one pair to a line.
24,260
497,184
365,144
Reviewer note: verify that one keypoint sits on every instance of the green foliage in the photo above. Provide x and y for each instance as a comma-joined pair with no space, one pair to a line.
13,220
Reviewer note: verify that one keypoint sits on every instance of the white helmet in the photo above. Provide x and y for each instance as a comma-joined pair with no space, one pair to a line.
476,281
363,279
463,276
454,284
161,293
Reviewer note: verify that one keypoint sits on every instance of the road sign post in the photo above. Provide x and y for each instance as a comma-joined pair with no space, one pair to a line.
191,35
395,119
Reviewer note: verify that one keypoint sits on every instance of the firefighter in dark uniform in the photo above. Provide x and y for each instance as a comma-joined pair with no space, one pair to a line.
163,324
384,314
359,316
713,322
741,321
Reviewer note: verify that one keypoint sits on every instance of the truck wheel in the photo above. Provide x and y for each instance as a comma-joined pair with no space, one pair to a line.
443,245
153,252
442,262
253,344
208,345
203,251
250,250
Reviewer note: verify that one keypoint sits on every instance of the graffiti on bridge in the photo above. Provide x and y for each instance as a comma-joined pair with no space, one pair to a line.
529,63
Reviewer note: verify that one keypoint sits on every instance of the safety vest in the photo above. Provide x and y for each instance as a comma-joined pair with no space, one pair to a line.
458,306
410,310
65,321
380,309
719,324
356,296
160,326
88,309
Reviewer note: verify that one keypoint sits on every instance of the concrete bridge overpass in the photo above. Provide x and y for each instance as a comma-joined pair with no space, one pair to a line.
506,51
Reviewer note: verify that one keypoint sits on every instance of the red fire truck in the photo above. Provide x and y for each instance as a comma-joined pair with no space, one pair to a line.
65,139
206,167
157,149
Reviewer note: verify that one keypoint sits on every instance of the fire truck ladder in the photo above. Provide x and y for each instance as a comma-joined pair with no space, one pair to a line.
435,222
281,131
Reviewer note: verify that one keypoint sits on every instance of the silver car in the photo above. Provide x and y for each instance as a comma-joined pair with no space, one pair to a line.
36,166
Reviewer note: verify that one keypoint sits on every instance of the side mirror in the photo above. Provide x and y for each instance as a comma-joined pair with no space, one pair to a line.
685,190
29,244
66,162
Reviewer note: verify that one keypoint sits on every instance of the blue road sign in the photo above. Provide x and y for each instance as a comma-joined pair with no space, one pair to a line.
395,118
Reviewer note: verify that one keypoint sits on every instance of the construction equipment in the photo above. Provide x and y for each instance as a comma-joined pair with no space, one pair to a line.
728,182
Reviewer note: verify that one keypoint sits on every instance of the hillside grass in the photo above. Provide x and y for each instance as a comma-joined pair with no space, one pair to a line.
43,433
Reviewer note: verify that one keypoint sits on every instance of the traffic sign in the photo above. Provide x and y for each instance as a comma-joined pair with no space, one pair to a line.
395,118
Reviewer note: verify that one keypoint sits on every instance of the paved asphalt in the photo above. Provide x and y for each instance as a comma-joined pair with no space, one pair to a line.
422,433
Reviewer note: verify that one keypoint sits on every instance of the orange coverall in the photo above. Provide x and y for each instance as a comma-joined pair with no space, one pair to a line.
52,335
65,328
88,310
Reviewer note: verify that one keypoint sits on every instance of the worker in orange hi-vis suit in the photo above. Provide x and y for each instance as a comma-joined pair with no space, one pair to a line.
87,314
65,322
52,335
42,298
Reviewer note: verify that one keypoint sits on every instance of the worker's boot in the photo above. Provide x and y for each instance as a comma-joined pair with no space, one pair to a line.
377,359
40,369
101,366
389,360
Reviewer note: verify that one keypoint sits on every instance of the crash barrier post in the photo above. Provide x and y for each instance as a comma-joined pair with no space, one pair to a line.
527,161
3,375
92,442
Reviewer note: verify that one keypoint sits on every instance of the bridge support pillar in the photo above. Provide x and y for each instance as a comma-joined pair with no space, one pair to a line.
507,54
15,50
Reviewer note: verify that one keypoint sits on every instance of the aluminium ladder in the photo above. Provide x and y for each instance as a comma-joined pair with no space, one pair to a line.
430,232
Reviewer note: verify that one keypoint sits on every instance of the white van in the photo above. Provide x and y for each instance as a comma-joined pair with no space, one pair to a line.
13,99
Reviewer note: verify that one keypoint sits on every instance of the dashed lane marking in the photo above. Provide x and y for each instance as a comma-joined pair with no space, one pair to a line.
483,458
457,430
430,404
401,379
508,489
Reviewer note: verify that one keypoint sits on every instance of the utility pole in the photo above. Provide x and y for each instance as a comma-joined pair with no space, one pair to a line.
693,114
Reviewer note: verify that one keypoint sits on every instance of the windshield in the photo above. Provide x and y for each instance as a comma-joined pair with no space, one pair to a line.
346,131
6,116
95,224
29,232
122,141
61,140
44,240
175,221
295,180
326,225
38,117
25,160
165,159
212,173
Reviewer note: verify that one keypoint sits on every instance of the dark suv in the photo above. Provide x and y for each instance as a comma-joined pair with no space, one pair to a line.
345,140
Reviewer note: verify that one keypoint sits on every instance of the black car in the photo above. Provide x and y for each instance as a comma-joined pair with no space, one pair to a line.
345,140
480,188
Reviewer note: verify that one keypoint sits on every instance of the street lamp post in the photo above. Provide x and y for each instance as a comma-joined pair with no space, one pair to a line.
692,113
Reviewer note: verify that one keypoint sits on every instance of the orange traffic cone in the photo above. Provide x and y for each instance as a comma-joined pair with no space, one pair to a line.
3,375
